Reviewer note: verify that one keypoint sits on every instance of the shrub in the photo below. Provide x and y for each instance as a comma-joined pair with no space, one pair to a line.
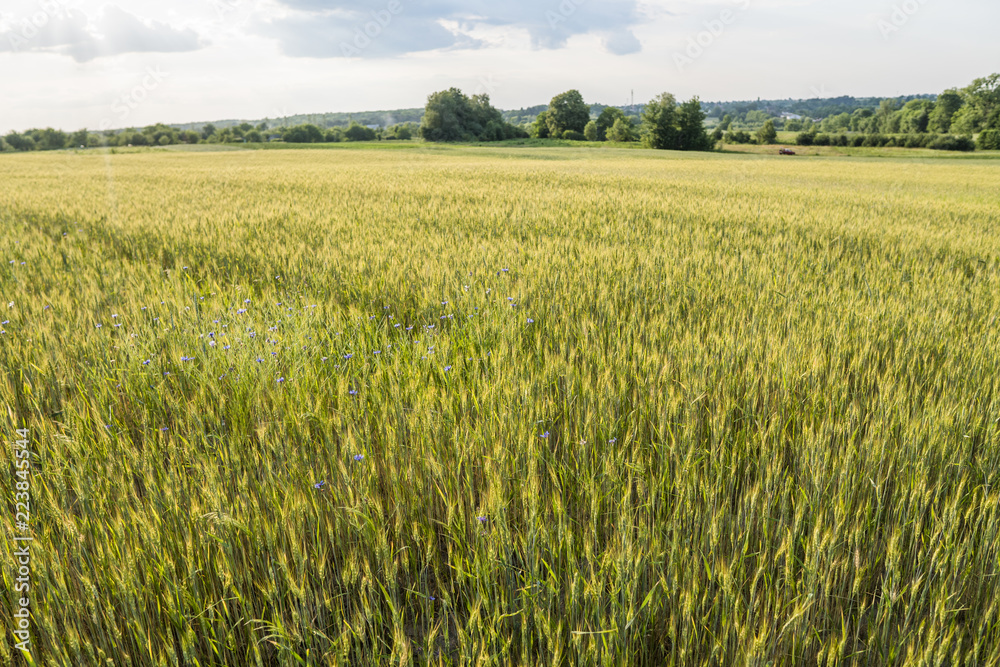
949,142
821,140
805,138
989,140
738,137
573,135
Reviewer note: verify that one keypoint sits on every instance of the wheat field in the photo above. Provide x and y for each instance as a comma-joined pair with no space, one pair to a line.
469,406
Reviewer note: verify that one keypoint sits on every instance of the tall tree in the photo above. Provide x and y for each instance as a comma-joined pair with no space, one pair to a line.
659,123
447,115
567,111
691,127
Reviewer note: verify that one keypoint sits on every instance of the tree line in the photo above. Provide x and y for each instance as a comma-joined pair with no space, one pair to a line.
450,115
165,135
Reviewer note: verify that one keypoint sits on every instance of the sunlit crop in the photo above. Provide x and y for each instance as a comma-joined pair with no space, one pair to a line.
504,406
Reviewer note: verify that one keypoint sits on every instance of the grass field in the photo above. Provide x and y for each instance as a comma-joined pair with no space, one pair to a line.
503,406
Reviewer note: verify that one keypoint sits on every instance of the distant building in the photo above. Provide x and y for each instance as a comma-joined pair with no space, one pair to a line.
790,116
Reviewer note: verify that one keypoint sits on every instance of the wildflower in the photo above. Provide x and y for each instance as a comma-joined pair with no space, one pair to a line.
319,485
544,435
613,441
97,326
481,519
447,368
531,321
353,392
377,352
348,356
359,457
225,347
280,380
145,363
165,429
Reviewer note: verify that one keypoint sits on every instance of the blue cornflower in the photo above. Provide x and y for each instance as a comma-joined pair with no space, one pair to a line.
613,441
481,519
319,485
165,429
359,457
447,368
531,321
348,356
544,435
280,380
353,392
145,363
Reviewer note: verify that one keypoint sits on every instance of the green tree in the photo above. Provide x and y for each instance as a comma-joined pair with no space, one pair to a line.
727,121
590,132
659,123
540,128
767,134
207,131
692,134
567,111
623,130
78,139
446,116
606,120
50,139
254,136
358,132
983,95
20,142
947,105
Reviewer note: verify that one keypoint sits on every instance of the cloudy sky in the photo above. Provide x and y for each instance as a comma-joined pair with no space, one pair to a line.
83,63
